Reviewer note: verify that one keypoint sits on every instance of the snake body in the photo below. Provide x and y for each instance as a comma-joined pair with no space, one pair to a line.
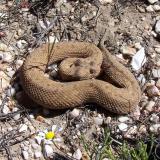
118,92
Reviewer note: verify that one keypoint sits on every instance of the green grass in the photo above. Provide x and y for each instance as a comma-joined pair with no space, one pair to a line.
126,151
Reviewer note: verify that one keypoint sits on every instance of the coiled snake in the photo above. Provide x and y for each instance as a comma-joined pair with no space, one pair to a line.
117,92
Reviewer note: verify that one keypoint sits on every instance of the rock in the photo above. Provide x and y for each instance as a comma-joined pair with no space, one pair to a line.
3,47
75,113
23,128
40,119
152,91
128,50
25,155
154,118
138,45
156,73
123,127
21,44
19,63
37,154
105,1
142,129
131,131
157,27
48,151
77,154
52,39
11,73
136,113
138,59
155,128
141,78
152,1
17,116
149,106
11,92
158,83
108,120
156,7
98,121
5,109
149,8
157,50
7,57
123,119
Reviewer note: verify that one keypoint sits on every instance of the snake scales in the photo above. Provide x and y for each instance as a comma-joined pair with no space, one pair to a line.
118,92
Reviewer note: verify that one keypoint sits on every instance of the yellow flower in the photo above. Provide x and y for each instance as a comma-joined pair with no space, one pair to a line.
50,135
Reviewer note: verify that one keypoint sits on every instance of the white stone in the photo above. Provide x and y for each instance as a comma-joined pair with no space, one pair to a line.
156,73
156,7
142,129
44,25
37,154
154,118
152,1
52,39
23,128
21,44
25,155
157,50
138,59
77,154
5,109
128,50
154,128
149,8
48,150
17,116
105,1
19,63
98,121
11,73
157,27
75,113
150,105
3,47
137,45
141,78
11,92
123,126
7,57
123,119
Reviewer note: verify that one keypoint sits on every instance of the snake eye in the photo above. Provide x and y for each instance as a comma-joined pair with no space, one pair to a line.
92,71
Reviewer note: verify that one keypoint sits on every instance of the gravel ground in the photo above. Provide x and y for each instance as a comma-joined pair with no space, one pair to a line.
30,132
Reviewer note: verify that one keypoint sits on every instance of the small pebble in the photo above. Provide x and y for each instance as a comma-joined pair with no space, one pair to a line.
48,151
40,119
21,44
128,50
157,27
105,1
149,106
142,129
25,155
37,154
152,91
154,118
7,57
77,154
141,78
154,128
156,73
157,50
75,113
137,45
11,92
123,119
16,116
123,126
156,7
149,8
23,128
108,120
3,47
98,121
5,109
158,83
19,63
152,1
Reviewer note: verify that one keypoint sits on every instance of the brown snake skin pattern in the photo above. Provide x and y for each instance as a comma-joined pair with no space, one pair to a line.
118,92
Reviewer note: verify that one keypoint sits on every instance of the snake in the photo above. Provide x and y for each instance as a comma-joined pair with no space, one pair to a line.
88,74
